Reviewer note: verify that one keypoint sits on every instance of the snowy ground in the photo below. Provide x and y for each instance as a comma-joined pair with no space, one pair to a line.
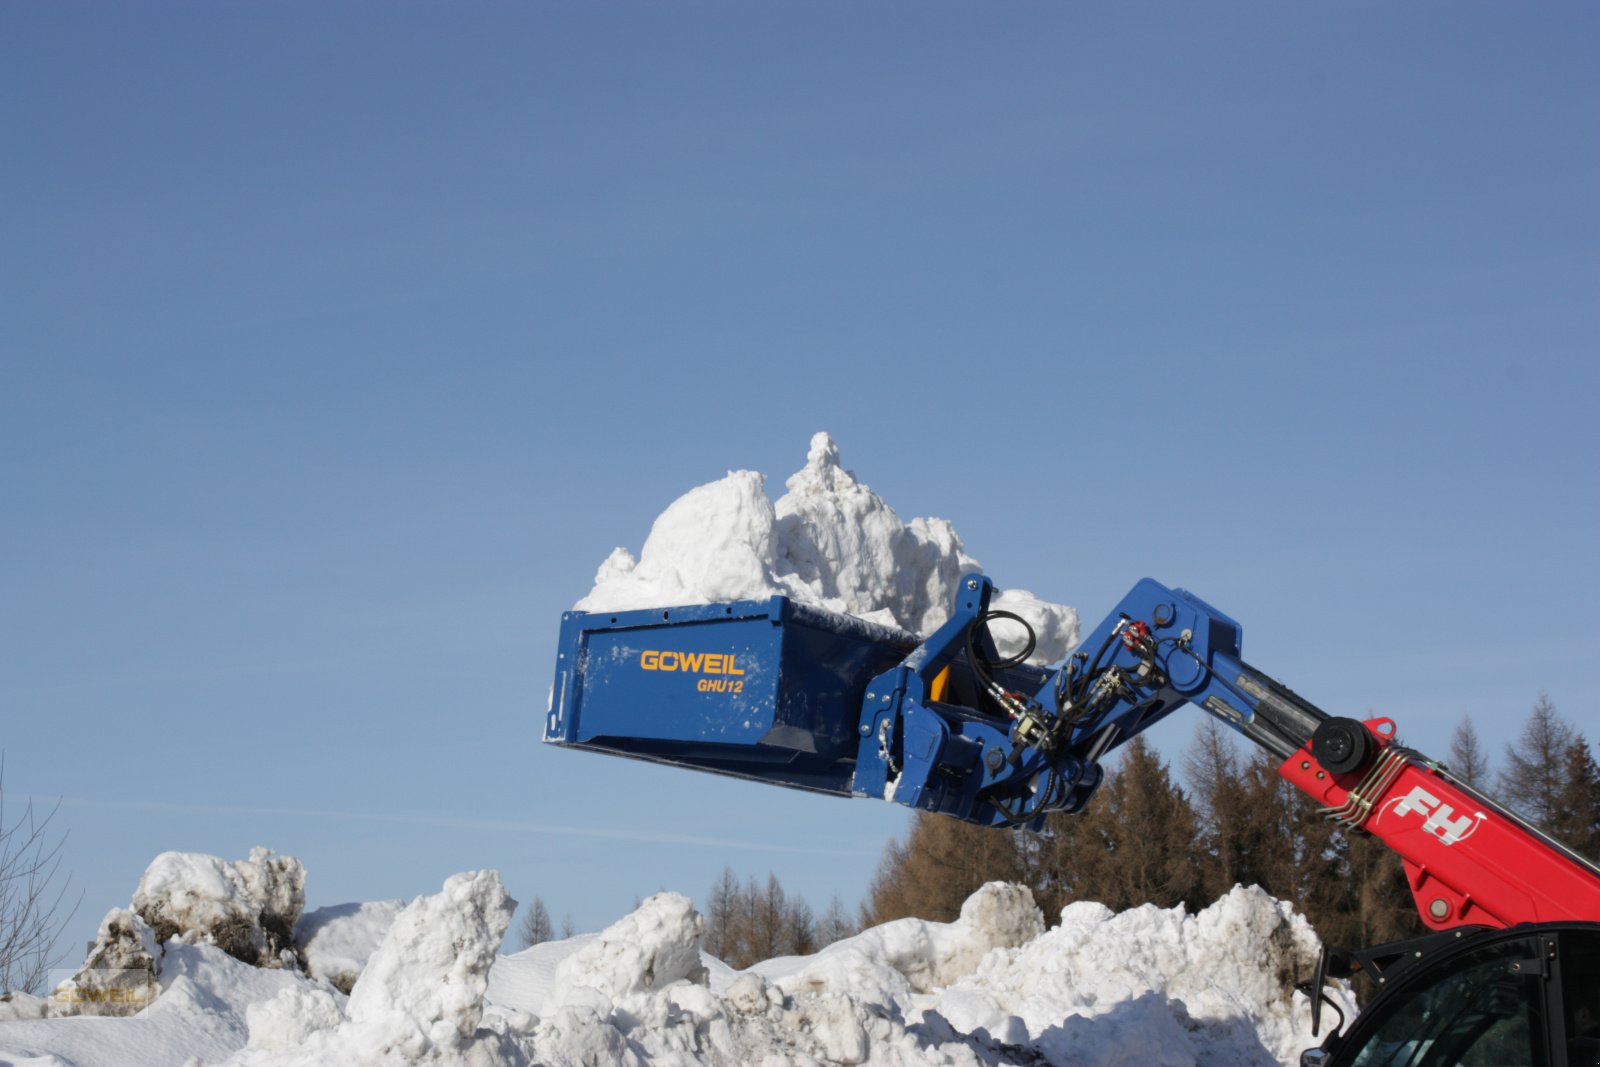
995,987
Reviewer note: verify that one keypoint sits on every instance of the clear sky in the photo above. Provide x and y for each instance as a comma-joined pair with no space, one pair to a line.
341,343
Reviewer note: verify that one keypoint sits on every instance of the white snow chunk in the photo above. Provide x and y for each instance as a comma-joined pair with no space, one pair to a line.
655,946
20,1005
829,542
335,942
288,1020
247,908
716,542
1153,986
914,955
425,983
419,1000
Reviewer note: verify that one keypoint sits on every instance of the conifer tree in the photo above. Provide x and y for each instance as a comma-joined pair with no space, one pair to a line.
720,914
1468,762
941,862
1134,843
1577,820
535,928
835,924
1535,764
1150,833
1215,774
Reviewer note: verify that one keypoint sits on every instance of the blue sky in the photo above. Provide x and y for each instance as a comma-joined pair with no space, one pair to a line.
342,342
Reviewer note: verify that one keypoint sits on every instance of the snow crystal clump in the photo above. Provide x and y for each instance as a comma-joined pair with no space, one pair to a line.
427,979
288,1020
335,942
247,908
652,948
830,541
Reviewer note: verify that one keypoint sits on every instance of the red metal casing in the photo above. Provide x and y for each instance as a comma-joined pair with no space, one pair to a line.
1469,861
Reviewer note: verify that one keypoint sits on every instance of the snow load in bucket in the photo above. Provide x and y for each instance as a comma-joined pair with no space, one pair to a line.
747,635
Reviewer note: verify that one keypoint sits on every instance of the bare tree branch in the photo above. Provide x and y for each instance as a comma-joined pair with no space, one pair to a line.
33,893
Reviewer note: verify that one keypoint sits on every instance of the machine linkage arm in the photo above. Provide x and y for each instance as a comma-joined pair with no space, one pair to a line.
1468,860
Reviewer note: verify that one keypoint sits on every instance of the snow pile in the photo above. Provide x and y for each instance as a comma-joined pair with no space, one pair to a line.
1146,986
1151,986
830,541
247,908
335,942
198,1017
640,954
640,992
419,1000
913,955
994,987
20,1005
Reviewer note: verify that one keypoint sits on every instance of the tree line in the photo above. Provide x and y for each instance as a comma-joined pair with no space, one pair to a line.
1150,836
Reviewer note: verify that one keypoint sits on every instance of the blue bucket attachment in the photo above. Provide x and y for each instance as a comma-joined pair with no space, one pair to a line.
791,695
764,689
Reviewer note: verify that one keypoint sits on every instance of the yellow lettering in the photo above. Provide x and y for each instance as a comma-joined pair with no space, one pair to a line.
691,662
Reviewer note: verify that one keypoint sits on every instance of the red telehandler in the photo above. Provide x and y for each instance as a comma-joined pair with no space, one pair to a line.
783,693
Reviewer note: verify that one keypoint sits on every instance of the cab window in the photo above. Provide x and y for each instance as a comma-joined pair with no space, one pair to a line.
1481,1014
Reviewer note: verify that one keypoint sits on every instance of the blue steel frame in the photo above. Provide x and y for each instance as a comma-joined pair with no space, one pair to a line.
831,703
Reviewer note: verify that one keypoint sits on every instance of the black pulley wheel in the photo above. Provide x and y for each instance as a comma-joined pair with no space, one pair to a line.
1341,745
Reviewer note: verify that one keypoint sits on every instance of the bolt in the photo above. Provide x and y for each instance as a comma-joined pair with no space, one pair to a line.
1439,908
865,729
1305,765
972,583
1321,775
886,698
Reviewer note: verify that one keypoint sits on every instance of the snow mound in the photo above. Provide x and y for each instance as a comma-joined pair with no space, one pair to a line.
830,541
425,983
1146,986
1151,986
914,955
336,942
420,998
649,950
198,1018
247,908
20,1005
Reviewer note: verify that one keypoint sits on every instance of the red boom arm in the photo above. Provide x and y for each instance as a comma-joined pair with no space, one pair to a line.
1468,860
